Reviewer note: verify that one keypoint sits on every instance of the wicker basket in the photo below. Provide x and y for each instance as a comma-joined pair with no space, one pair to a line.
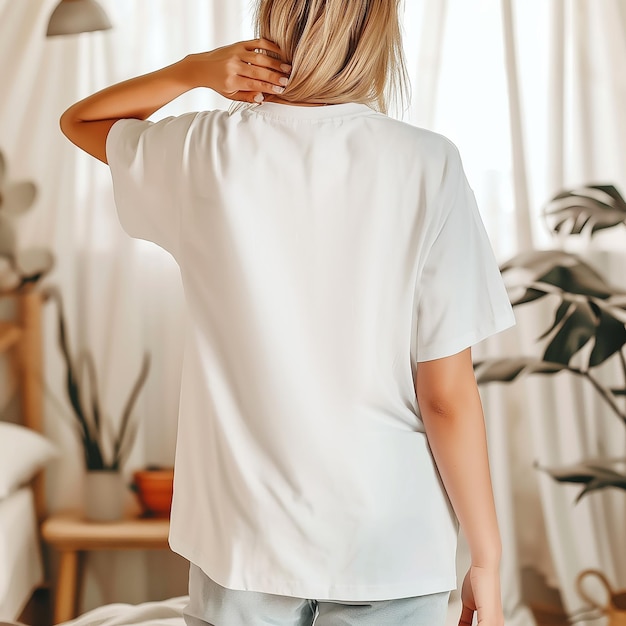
615,609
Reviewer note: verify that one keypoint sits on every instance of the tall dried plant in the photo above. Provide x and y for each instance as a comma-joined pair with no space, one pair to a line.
105,448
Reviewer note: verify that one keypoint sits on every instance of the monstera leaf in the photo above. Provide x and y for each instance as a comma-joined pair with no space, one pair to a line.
590,209
578,321
590,312
506,370
591,309
594,474
533,275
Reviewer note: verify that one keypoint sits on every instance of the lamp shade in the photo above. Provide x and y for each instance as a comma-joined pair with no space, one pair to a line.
77,16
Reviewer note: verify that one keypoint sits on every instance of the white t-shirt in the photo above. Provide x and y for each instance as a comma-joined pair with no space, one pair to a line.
323,252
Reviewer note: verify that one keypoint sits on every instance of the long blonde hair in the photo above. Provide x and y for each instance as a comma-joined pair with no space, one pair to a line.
340,50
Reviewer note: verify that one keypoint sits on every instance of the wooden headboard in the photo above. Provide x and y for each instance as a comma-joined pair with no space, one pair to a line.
22,337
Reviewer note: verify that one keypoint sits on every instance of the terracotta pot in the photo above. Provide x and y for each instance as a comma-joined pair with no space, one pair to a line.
615,608
154,489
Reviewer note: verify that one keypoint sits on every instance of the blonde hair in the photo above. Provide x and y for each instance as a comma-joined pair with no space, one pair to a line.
340,50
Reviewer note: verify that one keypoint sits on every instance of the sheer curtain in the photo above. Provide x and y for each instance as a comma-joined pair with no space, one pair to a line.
531,92
121,296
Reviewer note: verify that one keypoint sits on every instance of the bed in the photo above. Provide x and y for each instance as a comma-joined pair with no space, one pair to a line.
23,454
164,613
21,569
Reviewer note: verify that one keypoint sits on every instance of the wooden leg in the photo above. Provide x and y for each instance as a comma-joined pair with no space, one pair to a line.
65,599
80,583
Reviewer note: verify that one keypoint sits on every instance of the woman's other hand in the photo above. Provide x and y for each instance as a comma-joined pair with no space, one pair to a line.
481,594
241,71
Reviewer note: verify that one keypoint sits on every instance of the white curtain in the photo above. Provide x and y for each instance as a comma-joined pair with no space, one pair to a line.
531,92
533,95
122,297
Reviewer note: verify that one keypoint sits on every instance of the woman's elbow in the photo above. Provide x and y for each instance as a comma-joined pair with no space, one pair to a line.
68,124
447,386
88,136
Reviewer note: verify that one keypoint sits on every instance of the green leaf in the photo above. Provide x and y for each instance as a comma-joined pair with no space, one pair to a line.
563,270
596,485
91,447
614,306
530,295
594,474
610,338
536,262
127,433
564,307
577,329
506,370
613,193
578,278
597,207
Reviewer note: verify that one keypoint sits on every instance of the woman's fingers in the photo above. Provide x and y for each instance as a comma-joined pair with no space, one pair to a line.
242,72
247,96
263,44
241,83
262,60
260,73
266,80
467,616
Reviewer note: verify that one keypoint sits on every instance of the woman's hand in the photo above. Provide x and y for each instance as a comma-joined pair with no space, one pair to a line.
241,71
236,71
481,594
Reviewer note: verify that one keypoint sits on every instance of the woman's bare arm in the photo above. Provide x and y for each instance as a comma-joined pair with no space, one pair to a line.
235,71
452,413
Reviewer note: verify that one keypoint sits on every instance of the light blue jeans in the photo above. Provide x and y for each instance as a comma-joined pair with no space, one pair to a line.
213,605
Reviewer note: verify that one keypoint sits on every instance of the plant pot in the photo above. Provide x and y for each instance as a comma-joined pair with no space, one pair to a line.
104,496
154,489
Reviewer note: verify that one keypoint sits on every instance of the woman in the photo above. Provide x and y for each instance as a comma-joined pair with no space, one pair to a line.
337,274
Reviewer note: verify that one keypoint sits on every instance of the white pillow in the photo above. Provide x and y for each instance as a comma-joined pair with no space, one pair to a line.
23,452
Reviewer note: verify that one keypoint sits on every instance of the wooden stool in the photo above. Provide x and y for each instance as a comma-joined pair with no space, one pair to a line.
72,536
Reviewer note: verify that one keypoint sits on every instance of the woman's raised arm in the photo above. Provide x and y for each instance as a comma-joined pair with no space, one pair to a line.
237,72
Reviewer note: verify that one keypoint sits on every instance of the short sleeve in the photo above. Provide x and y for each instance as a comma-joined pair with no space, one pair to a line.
147,163
461,297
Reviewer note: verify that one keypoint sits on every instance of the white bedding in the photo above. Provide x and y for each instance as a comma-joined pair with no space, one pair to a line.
166,613
20,556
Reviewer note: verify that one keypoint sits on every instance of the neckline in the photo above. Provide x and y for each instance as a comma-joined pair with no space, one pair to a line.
330,111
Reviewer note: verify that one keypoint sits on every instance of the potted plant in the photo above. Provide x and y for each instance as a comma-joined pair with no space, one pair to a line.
105,447
590,312
19,269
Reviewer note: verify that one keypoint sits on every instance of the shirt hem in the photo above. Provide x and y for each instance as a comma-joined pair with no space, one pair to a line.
457,344
340,592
